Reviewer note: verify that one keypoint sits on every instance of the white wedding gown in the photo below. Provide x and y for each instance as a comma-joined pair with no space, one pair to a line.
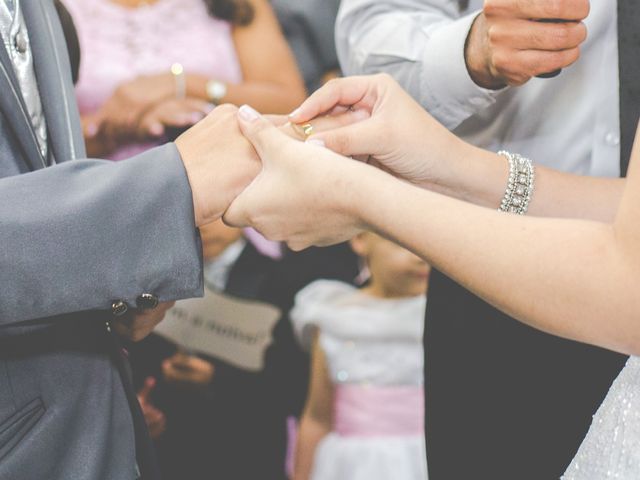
611,448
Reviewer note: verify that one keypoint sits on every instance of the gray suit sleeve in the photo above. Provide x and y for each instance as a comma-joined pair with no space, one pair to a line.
81,234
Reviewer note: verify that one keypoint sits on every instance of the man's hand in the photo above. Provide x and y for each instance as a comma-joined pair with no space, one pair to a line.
512,41
141,323
303,193
219,161
172,114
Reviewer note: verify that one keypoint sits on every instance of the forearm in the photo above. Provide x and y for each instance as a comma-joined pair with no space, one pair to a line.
566,277
311,433
267,97
480,177
81,234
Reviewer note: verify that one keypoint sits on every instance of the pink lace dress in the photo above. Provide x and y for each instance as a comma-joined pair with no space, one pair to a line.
120,43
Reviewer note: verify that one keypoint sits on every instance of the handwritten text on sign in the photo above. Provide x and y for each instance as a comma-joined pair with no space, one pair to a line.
235,330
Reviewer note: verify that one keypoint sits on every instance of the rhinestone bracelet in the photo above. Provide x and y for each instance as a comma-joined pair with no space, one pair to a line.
520,186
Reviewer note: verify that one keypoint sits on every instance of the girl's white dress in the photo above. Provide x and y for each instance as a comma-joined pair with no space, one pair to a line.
375,358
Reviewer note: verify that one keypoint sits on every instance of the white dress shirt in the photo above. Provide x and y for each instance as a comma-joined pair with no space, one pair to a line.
570,122
217,271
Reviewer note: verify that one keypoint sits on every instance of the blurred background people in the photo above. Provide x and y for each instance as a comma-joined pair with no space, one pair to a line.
364,414
150,68
308,26
212,419
223,421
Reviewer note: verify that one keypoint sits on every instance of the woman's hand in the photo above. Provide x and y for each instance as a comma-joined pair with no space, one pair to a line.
387,125
123,111
305,193
173,115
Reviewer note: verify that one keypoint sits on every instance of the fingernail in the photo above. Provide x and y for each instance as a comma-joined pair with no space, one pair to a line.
196,117
91,130
294,113
316,141
156,129
248,114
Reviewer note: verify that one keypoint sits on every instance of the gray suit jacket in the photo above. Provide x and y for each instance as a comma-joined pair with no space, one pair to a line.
73,238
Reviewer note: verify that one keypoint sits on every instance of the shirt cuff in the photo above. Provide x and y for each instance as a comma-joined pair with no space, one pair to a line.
447,87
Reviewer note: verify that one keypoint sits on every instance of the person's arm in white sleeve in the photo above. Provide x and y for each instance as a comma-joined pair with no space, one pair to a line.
421,44
444,59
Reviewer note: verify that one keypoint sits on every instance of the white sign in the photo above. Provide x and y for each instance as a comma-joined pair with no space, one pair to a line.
235,330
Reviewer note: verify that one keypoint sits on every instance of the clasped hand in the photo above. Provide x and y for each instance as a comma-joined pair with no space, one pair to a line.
256,171
311,193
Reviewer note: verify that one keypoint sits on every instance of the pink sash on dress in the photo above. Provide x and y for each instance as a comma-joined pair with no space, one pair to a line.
362,410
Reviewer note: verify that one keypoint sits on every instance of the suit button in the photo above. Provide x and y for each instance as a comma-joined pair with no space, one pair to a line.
147,301
119,308
21,43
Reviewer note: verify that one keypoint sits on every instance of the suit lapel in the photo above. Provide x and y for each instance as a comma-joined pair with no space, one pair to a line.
53,72
14,109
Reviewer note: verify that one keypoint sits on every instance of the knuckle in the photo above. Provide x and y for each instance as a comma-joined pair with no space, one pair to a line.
553,9
581,32
571,56
226,109
581,8
490,7
332,84
567,35
554,60
561,34
517,80
493,34
384,77
296,245
501,61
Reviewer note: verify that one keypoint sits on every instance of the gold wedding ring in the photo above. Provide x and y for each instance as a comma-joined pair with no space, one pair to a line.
304,131
307,128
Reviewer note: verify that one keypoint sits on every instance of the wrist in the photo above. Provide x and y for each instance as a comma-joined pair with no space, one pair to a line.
201,217
362,187
477,56
449,173
482,178
446,163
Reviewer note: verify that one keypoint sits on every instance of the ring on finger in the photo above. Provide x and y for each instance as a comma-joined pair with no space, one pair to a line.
304,131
